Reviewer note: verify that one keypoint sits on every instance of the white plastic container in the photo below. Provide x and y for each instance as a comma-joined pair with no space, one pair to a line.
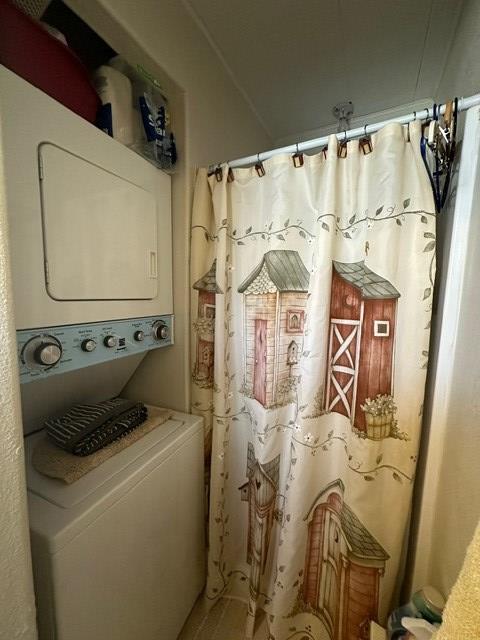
115,91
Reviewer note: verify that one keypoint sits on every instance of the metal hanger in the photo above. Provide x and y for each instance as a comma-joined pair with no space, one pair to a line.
438,150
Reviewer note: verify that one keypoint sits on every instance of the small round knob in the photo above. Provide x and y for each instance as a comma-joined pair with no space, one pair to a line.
89,345
161,332
48,354
139,336
110,341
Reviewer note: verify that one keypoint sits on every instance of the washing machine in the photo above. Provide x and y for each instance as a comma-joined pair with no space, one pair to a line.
120,552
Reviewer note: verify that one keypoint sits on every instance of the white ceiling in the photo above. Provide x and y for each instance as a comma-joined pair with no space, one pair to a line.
295,59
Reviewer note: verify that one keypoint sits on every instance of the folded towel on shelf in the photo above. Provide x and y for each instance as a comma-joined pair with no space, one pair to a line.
57,463
86,428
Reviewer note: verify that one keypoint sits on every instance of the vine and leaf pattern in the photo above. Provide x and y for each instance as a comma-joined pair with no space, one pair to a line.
268,232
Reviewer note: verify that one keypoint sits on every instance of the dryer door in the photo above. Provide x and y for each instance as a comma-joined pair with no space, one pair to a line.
99,231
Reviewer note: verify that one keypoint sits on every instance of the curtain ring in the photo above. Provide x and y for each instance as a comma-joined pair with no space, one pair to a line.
345,136
365,131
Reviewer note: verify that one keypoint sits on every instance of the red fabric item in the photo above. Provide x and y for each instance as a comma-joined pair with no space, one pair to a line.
32,53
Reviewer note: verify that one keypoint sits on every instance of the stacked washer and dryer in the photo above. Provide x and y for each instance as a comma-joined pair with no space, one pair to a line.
120,552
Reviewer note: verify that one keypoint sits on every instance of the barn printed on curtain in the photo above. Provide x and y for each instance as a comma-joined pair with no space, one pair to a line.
311,294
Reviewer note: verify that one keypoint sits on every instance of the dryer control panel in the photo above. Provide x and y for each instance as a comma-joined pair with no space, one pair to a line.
52,350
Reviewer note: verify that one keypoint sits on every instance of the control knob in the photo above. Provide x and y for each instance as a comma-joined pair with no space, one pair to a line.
110,341
47,354
160,331
139,336
88,345
41,351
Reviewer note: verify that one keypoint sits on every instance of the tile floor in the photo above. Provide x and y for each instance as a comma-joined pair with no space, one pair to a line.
225,621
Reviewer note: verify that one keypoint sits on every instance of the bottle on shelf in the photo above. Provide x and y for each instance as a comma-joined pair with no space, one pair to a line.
427,603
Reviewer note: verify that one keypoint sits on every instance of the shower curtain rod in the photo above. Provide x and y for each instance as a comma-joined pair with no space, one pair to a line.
463,105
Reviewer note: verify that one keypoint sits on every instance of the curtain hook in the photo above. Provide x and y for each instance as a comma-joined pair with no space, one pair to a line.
342,146
297,158
365,142
218,173
259,168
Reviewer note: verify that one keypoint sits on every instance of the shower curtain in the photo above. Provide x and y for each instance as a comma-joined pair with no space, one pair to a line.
311,301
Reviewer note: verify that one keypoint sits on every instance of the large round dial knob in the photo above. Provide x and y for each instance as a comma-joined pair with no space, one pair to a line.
41,351
110,341
88,345
139,336
48,354
160,331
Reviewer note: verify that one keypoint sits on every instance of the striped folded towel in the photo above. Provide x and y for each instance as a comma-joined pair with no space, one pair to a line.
86,428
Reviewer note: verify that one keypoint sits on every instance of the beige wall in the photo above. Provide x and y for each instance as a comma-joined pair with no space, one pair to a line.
213,122
17,607
461,75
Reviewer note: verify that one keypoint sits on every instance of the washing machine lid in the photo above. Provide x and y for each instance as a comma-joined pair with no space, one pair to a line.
109,476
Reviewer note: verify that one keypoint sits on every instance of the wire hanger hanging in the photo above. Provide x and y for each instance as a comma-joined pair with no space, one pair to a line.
438,144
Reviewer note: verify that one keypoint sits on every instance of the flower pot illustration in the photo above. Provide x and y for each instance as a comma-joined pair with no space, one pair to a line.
378,427
379,416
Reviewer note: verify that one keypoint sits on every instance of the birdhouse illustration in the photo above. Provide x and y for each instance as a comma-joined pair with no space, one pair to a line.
204,326
275,299
363,311
343,566
260,491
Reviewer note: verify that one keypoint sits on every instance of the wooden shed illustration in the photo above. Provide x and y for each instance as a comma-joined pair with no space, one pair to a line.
361,340
204,326
275,298
260,491
343,566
